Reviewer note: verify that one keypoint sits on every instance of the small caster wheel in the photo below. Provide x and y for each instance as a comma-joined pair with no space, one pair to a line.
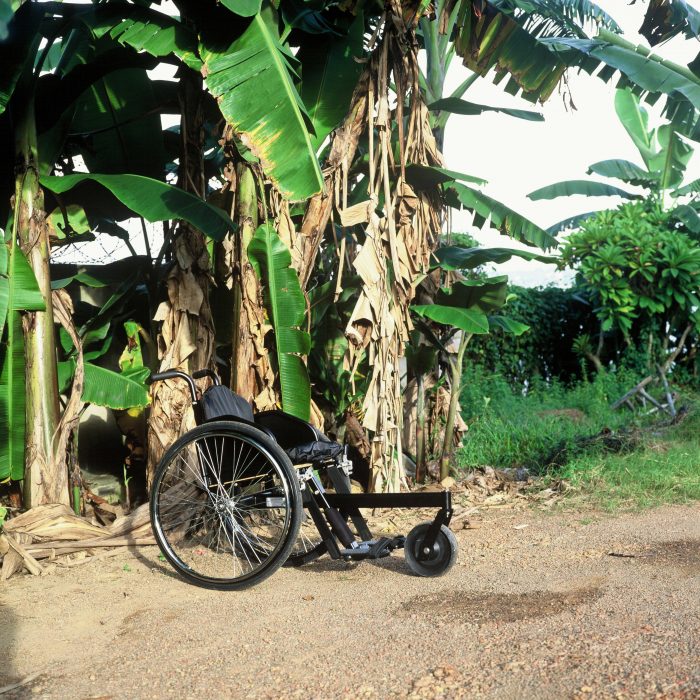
440,557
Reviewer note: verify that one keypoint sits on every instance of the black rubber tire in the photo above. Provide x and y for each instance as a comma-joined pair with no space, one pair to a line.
211,506
441,559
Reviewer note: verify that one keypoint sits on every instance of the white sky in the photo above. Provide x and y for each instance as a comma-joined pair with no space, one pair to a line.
517,156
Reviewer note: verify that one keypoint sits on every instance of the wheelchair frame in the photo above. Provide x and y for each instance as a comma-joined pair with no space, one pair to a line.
432,546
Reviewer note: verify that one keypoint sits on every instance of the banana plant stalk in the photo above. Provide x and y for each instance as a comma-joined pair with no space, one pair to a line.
43,482
455,389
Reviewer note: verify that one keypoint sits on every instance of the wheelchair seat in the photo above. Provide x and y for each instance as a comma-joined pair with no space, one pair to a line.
300,440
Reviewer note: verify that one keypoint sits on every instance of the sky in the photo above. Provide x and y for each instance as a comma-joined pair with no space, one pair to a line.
517,156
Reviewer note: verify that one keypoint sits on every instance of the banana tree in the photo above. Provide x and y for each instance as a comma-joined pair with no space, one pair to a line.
665,154
40,136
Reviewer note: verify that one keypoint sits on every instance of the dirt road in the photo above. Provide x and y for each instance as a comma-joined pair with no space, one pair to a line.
538,606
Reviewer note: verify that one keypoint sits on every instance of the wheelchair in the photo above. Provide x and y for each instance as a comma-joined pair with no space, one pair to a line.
240,495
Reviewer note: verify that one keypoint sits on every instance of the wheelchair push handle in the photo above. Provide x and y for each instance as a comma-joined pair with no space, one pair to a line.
177,374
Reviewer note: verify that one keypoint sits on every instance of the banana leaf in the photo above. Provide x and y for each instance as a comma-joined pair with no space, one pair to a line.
6,14
502,218
145,30
588,188
286,307
624,170
458,258
116,390
425,177
151,199
467,320
244,8
253,84
508,325
12,400
664,20
642,68
455,105
329,75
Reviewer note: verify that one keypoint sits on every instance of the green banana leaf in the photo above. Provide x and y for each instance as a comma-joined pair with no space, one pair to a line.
688,216
571,222
624,170
664,20
484,295
458,258
253,84
691,188
635,119
12,400
508,325
151,199
641,67
329,75
286,307
6,14
494,39
19,290
144,29
424,177
116,390
120,125
244,8
673,157
455,105
501,217
588,188
467,320
18,50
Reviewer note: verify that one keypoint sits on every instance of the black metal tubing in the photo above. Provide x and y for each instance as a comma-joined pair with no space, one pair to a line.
341,484
321,525
207,373
176,374
430,499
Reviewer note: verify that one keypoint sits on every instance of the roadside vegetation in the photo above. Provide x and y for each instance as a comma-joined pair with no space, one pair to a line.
611,459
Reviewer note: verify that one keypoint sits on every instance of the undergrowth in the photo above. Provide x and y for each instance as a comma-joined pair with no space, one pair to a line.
615,459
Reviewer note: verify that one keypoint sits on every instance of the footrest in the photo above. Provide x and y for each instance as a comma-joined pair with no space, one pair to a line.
374,549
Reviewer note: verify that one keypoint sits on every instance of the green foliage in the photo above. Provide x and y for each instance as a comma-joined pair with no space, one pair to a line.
286,308
151,199
638,266
662,469
510,429
556,317
329,75
253,82
500,217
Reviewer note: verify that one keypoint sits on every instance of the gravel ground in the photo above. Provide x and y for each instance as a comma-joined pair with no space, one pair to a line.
538,606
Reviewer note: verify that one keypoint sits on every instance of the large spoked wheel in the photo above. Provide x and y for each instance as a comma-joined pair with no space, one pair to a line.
439,559
225,506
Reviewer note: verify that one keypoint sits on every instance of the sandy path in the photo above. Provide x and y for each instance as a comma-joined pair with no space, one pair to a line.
541,611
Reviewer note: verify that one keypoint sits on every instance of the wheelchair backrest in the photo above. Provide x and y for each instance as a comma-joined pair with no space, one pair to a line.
220,402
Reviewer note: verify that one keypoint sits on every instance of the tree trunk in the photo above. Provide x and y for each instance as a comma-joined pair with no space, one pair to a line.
186,339
455,389
251,373
45,478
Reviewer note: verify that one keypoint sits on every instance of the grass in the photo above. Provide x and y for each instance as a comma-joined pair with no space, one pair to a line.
612,459
664,468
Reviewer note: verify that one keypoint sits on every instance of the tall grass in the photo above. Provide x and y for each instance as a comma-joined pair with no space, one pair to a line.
551,429
510,429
